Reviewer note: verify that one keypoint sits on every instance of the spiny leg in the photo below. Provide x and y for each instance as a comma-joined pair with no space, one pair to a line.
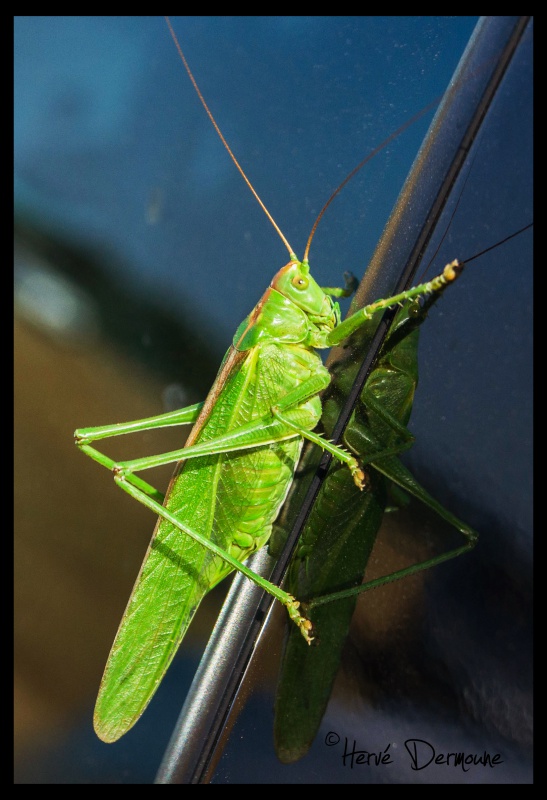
291,604
436,285
181,416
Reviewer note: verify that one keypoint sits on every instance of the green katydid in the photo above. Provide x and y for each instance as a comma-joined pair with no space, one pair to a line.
237,468
233,476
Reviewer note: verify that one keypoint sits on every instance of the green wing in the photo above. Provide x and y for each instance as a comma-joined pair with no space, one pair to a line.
233,499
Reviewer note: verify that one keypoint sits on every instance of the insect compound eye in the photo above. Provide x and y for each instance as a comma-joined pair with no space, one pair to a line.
300,283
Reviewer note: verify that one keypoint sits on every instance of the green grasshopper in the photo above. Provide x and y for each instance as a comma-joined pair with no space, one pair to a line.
233,475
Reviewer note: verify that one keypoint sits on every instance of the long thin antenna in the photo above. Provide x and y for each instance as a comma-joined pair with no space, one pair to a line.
224,142
356,169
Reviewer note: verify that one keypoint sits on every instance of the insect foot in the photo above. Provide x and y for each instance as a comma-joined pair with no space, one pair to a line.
303,623
449,274
359,476
452,270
